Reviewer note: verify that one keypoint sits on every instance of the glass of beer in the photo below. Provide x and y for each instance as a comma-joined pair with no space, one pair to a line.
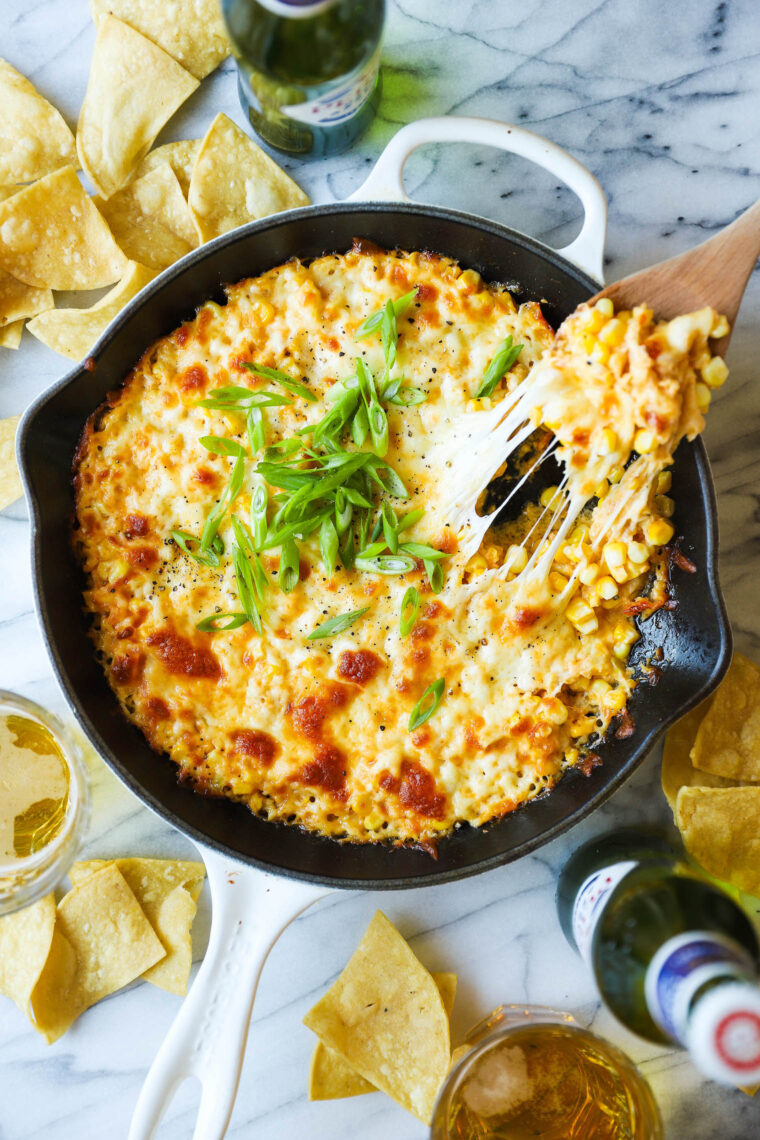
43,801
532,1073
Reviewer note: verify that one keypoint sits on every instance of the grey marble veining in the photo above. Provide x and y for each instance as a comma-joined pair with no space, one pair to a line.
662,102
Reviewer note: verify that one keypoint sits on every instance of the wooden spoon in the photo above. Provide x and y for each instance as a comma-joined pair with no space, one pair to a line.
715,273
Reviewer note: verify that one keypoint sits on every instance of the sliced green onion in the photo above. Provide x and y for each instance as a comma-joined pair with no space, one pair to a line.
282,449
501,363
328,545
289,572
372,323
434,571
231,621
390,522
392,388
229,494
410,604
378,428
254,422
407,397
245,587
259,503
389,336
220,445
344,511
386,564
372,550
282,378
422,550
336,625
348,550
183,540
360,426
235,399
409,519
427,704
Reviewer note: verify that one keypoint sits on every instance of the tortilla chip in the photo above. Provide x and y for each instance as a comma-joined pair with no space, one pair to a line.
181,157
25,940
10,480
385,1017
18,300
677,768
233,182
191,31
110,942
73,332
53,237
8,192
34,139
150,219
10,337
133,89
720,828
332,1078
728,740
167,890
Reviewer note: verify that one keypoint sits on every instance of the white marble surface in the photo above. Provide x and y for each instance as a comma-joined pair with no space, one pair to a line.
662,102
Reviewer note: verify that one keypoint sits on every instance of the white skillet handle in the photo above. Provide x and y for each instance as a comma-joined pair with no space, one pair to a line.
208,1037
386,183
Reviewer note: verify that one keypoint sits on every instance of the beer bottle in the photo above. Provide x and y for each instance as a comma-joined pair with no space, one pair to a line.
308,70
674,956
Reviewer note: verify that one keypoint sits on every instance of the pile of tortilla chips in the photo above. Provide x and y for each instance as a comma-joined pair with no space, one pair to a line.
383,1025
123,919
711,777
152,206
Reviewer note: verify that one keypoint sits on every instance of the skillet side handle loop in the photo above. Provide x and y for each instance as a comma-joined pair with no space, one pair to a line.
386,182
208,1036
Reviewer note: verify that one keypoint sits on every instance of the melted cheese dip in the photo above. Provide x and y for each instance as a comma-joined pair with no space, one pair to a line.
317,733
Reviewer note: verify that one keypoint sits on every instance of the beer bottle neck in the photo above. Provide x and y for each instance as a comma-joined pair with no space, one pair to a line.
723,1032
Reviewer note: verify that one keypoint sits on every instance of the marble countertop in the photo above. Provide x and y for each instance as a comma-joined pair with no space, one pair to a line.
662,102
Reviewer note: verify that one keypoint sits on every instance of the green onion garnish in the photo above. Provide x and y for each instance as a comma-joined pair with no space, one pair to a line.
386,564
282,378
410,604
259,502
336,625
229,494
328,544
212,624
373,322
288,574
427,704
220,445
254,423
245,587
187,542
504,359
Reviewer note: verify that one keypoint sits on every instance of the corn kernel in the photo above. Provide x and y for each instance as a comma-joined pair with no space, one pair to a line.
623,643
704,396
602,490
572,755
615,475
644,441
578,534
604,306
477,564
720,326
608,441
581,727
715,373
614,553
614,702
637,552
589,342
664,482
481,405
118,569
557,582
620,573
589,574
607,588
600,354
492,555
580,614
262,310
599,690
550,497
665,505
594,320
469,281
554,710
658,532
613,334
516,559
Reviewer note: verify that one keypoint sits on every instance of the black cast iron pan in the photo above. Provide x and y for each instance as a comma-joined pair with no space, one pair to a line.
694,638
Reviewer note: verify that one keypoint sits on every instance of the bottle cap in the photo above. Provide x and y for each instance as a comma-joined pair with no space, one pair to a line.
723,1036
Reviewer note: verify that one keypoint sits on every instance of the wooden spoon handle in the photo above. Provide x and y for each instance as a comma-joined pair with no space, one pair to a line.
714,273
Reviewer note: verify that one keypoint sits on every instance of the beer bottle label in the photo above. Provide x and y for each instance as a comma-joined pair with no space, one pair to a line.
681,967
591,900
341,102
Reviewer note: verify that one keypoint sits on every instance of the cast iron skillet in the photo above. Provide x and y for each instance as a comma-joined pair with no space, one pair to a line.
694,638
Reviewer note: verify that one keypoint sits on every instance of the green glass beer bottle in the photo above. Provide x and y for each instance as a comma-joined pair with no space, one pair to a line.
674,956
308,70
